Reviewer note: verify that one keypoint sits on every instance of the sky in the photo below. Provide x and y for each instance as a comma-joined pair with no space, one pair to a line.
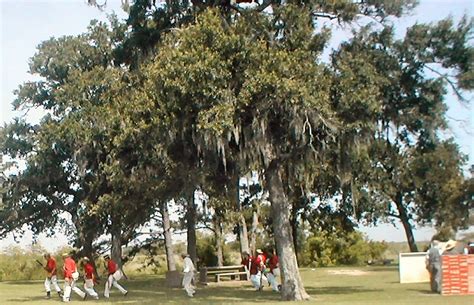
25,23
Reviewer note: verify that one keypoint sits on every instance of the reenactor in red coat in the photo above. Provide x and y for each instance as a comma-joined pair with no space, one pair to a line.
114,275
70,277
273,270
89,278
51,277
256,270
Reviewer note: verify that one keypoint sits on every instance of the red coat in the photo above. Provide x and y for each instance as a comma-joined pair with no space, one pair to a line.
273,262
69,267
111,266
253,265
245,262
51,266
89,271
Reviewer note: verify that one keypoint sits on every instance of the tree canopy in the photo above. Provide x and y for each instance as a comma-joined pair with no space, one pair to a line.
190,96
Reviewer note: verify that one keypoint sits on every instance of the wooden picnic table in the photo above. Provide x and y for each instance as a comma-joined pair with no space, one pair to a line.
234,272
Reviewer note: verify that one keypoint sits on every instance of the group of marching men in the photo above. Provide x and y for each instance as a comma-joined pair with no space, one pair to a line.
263,267
71,275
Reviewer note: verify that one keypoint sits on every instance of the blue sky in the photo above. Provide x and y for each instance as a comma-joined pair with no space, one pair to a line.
25,23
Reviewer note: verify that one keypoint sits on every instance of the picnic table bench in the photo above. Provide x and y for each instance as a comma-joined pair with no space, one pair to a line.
233,272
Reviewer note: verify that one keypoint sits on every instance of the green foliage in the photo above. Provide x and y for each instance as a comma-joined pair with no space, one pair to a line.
74,157
141,265
440,186
206,251
19,264
323,249
444,233
444,43
399,166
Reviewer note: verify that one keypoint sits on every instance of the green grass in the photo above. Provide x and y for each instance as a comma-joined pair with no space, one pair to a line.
378,285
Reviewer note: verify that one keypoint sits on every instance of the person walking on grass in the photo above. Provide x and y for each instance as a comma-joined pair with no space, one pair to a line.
70,277
114,275
246,263
251,267
188,270
274,271
51,277
89,278
257,267
433,264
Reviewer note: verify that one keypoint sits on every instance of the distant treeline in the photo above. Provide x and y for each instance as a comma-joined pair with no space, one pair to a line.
19,264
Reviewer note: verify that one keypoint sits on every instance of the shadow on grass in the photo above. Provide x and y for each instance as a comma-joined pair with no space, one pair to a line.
32,299
23,282
145,293
424,291
379,269
338,290
154,291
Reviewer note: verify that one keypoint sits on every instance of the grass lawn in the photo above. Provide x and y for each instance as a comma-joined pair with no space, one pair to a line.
351,286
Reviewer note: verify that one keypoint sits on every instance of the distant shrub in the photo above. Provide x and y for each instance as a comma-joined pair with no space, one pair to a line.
206,251
329,249
144,264
19,264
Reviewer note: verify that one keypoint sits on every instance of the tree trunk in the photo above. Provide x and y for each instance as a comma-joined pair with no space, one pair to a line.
167,234
88,250
242,225
85,238
253,232
116,251
218,236
406,222
294,230
191,228
243,235
292,285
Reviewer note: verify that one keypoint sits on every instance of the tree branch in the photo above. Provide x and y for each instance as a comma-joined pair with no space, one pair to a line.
324,15
451,83
393,215
264,5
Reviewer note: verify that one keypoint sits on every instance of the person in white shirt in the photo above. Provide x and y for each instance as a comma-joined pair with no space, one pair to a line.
188,270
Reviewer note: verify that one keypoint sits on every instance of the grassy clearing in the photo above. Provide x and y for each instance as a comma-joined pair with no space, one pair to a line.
341,286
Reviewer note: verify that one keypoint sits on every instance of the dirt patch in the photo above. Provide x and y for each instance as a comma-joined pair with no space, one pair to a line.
348,272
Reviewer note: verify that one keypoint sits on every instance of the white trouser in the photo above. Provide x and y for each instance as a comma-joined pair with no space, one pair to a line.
187,279
47,283
257,278
112,281
272,278
89,288
71,285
